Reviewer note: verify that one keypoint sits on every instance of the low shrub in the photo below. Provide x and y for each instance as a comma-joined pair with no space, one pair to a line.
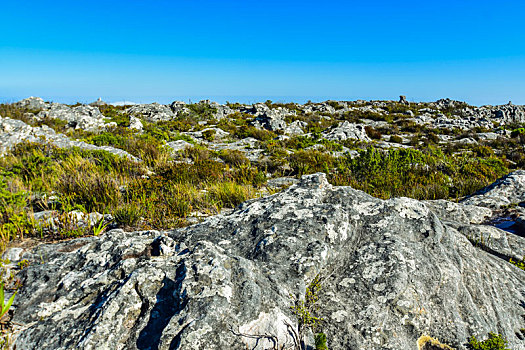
373,133
209,135
229,194
245,131
428,174
310,161
234,157
128,214
82,183
396,139
493,342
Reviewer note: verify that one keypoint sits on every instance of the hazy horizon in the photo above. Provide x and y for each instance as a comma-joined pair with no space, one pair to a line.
224,99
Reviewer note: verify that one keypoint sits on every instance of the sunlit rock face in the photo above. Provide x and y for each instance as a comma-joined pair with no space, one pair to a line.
390,271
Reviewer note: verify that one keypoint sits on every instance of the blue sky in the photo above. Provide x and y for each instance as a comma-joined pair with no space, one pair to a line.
161,51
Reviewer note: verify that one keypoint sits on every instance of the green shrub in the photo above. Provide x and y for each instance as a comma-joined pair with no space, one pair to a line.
302,142
108,139
128,214
245,131
247,175
199,171
162,203
83,184
202,110
305,310
229,194
115,114
310,161
320,342
494,342
373,133
520,263
428,174
209,135
234,157
396,139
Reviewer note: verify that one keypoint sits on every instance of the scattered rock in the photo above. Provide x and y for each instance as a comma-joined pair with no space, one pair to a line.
135,123
13,132
179,145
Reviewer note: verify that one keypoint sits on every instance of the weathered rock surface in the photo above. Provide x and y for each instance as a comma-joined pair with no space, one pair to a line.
347,131
390,271
83,117
269,118
13,132
506,191
34,103
153,112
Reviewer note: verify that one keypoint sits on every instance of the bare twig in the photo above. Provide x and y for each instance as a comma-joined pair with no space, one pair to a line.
270,337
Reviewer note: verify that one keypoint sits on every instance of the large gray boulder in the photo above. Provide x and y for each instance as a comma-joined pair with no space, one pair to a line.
390,271
345,131
152,112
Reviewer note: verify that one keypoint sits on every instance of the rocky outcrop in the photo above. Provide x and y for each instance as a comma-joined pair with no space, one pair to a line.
390,271
222,111
13,132
296,127
152,112
269,118
87,118
510,114
509,190
33,103
345,131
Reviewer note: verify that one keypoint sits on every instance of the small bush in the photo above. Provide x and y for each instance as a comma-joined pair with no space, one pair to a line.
311,161
229,194
494,342
83,184
209,135
251,131
396,139
373,133
320,342
128,214
234,157
202,110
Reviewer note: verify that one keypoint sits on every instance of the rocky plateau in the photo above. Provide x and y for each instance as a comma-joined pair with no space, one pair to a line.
387,271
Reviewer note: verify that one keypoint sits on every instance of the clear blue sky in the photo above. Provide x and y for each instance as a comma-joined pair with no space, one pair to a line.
253,50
